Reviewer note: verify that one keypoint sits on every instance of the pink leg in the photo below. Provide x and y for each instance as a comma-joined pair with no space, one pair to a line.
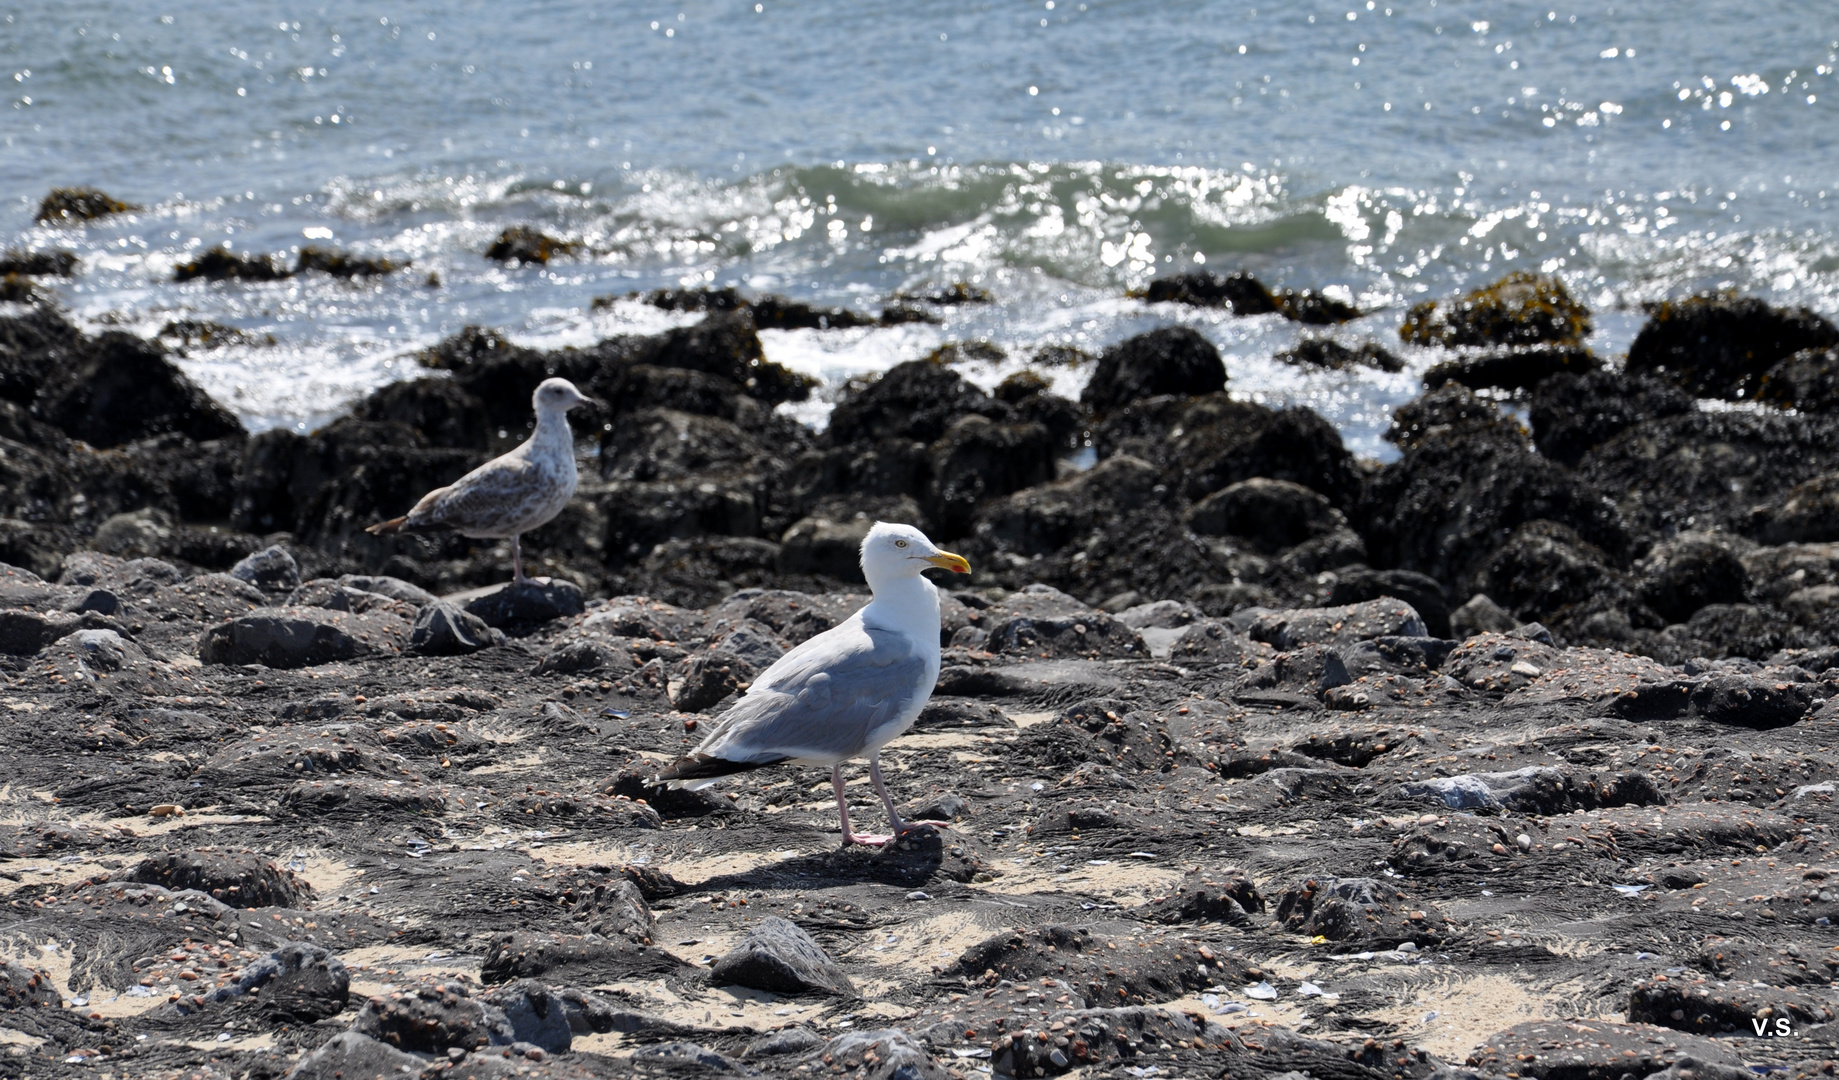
842,810
517,560
881,789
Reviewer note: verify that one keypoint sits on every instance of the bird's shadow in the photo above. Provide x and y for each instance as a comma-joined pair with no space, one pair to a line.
911,859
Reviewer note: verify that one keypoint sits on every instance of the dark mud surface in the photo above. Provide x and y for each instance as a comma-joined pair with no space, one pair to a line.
1251,759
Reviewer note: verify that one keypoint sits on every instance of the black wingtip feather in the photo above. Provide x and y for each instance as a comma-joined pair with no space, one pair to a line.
706,767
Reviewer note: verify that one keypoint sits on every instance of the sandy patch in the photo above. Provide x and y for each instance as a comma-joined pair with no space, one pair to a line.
1127,882
1466,1008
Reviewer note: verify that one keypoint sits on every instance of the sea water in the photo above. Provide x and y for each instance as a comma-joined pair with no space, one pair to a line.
1053,152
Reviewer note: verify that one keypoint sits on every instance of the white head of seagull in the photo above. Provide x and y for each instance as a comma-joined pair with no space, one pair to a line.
554,397
892,553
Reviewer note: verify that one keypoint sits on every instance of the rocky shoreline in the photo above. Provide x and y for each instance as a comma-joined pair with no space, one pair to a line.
1512,757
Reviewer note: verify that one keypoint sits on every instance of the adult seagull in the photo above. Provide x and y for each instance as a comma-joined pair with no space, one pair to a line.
512,494
847,692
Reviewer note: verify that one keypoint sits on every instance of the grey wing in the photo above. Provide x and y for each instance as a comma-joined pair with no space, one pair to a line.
828,703
488,498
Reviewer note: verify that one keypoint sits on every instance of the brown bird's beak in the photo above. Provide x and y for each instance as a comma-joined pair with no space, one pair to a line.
945,560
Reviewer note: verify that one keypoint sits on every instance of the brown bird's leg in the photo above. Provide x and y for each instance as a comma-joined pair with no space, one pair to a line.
842,811
517,559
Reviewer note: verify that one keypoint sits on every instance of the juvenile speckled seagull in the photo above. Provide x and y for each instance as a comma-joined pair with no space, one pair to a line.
847,692
509,495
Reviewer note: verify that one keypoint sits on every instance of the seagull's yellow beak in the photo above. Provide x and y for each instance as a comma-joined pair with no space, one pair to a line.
945,560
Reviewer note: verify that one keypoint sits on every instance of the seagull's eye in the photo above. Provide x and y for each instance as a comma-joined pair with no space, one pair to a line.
900,543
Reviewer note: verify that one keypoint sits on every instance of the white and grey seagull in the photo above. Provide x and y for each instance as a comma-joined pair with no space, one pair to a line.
511,494
847,692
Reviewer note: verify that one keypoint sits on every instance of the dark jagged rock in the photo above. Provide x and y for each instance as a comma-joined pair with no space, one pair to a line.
1240,291
1446,505
1571,414
239,880
1595,1050
914,400
567,958
1450,411
23,988
441,411
535,601
350,1054
1807,513
769,312
1328,353
441,629
952,295
1808,380
1211,442
1682,575
38,263
1708,470
272,569
1312,308
523,244
1519,309
431,1019
343,264
1546,572
776,956
1354,585
538,1016
121,388
1361,911
64,206
1271,514
302,637
297,983
222,264
1173,360
1513,369
1722,346
976,459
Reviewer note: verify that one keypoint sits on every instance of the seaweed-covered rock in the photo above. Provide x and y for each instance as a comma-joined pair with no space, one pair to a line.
1546,567
1328,353
1722,346
1450,411
1806,513
1520,309
343,264
241,880
523,244
976,459
1513,369
1808,380
1573,413
1709,470
67,205
58,263
1173,360
1681,575
1271,514
914,400
222,264
1444,507
121,388
1240,291
440,410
